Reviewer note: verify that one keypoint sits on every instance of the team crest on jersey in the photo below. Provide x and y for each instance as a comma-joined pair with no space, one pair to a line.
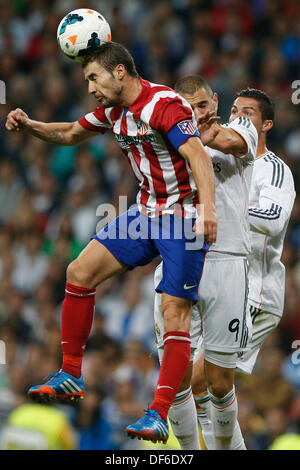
142,127
187,127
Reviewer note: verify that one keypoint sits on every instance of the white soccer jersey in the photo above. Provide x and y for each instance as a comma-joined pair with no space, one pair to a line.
272,195
221,312
232,181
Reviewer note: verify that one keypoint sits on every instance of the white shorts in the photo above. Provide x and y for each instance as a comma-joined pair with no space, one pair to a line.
220,317
263,324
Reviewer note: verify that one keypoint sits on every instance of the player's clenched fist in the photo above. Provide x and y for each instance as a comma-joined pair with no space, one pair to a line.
210,228
16,119
206,224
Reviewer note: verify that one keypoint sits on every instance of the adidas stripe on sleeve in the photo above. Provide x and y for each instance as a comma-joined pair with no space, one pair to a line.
246,129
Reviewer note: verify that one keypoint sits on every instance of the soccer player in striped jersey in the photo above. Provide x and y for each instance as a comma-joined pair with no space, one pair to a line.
156,130
223,288
271,199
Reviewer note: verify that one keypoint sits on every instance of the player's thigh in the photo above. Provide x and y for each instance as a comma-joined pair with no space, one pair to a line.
128,238
117,247
223,291
183,259
94,264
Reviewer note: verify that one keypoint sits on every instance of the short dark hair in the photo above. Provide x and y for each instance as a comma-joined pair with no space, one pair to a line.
189,84
266,105
109,55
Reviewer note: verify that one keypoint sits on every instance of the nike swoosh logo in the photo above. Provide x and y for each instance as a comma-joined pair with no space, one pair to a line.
189,287
163,386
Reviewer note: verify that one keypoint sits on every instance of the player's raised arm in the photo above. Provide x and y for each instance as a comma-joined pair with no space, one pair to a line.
227,141
202,169
60,133
238,138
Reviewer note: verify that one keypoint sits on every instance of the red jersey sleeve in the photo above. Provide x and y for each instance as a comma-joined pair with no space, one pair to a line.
96,121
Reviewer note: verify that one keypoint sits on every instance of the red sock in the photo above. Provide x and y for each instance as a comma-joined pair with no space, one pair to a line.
76,323
175,362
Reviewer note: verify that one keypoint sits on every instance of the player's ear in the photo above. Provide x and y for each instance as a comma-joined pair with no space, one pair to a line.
119,71
267,125
216,100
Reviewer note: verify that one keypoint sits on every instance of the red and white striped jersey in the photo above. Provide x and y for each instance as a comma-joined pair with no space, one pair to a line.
149,133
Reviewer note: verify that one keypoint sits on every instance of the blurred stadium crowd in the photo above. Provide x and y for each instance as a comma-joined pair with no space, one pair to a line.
48,211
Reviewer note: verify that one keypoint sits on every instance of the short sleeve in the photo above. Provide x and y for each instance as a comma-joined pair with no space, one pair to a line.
96,121
246,129
276,183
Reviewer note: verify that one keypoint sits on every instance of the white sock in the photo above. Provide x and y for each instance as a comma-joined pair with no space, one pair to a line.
224,417
183,418
237,441
203,414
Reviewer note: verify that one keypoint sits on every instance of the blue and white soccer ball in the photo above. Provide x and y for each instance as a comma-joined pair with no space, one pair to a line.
80,31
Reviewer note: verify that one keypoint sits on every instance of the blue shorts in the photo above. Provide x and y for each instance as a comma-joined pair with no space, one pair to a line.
135,240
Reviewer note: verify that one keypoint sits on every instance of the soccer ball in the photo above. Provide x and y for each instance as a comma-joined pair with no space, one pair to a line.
80,31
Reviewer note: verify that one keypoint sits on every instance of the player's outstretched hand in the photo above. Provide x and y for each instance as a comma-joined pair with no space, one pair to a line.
209,117
16,120
208,127
207,224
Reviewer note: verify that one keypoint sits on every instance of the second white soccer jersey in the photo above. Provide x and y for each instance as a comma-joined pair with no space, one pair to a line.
271,201
220,316
233,180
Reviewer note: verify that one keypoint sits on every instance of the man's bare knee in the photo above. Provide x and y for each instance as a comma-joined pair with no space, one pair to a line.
220,388
94,264
79,275
199,384
220,380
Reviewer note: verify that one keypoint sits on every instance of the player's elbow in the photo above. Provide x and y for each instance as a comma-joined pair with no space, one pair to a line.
71,135
271,228
191,149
